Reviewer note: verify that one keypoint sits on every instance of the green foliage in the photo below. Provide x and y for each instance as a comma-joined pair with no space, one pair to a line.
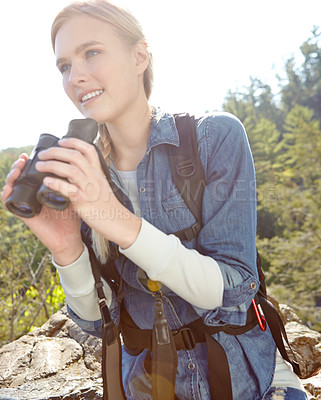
303,147
29,285
257,101
303,84
7,157
286,142
291,273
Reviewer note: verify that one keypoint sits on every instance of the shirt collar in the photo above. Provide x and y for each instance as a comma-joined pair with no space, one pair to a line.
163,130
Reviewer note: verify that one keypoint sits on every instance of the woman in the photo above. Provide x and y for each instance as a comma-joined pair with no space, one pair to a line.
106,69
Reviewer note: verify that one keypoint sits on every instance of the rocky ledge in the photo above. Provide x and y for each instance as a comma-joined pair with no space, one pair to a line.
60,362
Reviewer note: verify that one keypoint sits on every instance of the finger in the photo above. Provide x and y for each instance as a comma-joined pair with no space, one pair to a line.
6,192
57,153
14,174
73,145
87,149
69,190
19,163
63,170
24,156
88,190
65,188
69,156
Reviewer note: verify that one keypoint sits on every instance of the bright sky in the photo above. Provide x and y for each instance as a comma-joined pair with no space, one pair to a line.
201,50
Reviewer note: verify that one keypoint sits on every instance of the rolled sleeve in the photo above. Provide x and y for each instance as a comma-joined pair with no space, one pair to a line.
94,327
229,215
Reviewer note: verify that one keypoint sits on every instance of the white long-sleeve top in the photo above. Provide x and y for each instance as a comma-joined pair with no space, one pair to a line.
163,258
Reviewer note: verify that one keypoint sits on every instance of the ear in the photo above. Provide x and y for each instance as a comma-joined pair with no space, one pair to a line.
141,56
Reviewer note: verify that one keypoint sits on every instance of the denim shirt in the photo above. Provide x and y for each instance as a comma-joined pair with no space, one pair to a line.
228,235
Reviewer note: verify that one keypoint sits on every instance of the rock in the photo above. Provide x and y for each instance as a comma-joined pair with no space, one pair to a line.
57,361
313,385
306,344
288,315
60,362
37,357
286,312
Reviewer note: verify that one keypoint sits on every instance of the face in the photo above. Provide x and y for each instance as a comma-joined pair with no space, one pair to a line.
102,75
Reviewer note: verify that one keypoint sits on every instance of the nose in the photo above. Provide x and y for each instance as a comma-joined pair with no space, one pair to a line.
77,74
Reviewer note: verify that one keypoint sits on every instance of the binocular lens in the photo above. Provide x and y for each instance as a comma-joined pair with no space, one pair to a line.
23,201
21,209
53,200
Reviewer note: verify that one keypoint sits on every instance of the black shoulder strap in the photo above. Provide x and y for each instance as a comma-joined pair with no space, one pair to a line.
279,334
187,172
111,344
189,177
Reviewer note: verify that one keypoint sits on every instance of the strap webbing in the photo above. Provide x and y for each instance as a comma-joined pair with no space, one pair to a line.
164,355
279,333
111,346
219,370
187,172
164,366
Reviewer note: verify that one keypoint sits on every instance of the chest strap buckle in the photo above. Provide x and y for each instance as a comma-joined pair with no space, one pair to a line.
184,339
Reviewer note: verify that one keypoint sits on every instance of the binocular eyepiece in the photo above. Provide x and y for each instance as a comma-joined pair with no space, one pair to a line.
29,193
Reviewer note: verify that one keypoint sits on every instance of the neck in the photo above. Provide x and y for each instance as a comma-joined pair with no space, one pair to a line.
129,137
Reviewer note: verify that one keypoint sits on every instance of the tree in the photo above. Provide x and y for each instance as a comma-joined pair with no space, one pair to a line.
292,257
285,139
257,101
29,285
303,84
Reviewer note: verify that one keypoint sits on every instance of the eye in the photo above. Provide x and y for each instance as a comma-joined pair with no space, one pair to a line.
91,53
63,68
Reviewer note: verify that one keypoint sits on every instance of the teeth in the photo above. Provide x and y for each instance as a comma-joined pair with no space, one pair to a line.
91,95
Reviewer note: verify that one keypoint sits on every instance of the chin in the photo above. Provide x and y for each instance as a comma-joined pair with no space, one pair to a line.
99,117
93,116
100,121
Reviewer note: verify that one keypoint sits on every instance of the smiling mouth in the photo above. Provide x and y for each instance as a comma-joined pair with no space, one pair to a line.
89,96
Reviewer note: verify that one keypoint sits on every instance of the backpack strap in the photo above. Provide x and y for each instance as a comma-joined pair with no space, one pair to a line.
111,344
279,334
187,172
185,338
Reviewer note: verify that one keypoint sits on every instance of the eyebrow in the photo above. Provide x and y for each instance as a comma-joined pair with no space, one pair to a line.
79,49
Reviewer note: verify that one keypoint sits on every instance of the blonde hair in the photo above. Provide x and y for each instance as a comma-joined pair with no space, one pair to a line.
129,29
121,20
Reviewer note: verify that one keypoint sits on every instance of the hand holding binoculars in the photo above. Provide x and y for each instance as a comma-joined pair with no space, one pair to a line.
29,193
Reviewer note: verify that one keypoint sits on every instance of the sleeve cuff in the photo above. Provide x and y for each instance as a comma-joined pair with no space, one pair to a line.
152,249
77,278
191,275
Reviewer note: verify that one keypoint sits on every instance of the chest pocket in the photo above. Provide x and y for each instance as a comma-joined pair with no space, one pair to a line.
176,210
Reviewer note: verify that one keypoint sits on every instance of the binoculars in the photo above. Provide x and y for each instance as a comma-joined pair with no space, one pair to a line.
29,193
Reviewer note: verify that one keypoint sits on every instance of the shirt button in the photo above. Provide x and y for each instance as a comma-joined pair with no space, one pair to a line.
253,286
191,366
142,189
